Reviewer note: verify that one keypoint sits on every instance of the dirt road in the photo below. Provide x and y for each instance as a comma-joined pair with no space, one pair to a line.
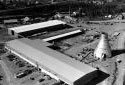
120,78
8,74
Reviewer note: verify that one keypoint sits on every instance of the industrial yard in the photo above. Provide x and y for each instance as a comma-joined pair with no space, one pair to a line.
79,47
62,50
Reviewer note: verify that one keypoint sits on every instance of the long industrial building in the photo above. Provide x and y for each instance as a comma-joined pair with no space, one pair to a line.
55,64
31,29
62,35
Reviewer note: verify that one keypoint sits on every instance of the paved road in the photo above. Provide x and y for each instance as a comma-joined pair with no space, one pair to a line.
121,67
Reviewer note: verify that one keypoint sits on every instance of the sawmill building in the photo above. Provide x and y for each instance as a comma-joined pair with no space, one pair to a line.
57,65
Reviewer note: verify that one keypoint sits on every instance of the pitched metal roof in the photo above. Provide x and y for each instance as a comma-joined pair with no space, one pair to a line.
66,68
36,26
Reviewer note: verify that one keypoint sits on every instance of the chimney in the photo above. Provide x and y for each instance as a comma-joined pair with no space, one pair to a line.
103,50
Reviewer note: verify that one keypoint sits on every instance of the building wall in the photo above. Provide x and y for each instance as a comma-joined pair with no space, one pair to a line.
87,78
12,33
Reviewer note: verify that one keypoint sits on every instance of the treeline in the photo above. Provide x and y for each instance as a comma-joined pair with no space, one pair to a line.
91,10
12,4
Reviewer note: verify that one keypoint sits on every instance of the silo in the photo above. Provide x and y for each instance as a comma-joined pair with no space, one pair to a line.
103,50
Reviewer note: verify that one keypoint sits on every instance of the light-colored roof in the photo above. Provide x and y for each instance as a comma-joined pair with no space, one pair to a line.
67,69
11,21
36,26
62,35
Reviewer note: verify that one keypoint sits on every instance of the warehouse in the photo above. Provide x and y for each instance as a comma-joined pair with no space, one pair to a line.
39,54
28,30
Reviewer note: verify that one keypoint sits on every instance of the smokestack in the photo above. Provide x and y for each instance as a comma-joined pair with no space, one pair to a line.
103,50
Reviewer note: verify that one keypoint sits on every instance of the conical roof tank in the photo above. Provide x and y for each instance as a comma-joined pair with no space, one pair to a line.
103,50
